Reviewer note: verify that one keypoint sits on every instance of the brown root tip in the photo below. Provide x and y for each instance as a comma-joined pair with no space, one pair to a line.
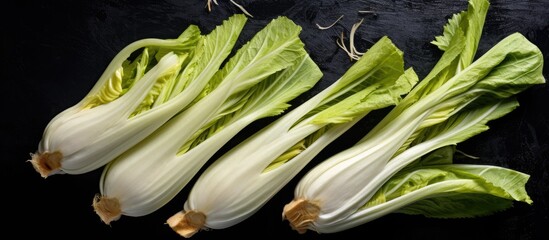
107,208
188,223
301,213
46,163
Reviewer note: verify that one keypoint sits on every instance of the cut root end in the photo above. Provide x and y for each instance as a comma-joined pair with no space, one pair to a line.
301,213
187,223
46,163
107,208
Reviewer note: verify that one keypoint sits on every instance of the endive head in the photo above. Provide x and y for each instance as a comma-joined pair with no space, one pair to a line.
128,86
115,104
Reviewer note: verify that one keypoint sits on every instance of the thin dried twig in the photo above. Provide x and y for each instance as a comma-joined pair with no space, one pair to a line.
341,43
351,51
329,26
209,6
352,37
467,155
241,8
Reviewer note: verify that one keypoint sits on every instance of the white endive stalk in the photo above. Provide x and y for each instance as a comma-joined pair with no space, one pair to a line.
335,186
87,139
336,181
109,120
457,130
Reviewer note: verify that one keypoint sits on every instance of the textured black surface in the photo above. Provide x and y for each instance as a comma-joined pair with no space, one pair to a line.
54,51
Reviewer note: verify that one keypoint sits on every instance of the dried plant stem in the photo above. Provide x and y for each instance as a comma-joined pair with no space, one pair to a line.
353,53
331,25
209,6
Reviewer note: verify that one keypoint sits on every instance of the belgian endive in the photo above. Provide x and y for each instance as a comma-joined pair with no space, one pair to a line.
422,179
146,83
236,185
451,104
257,82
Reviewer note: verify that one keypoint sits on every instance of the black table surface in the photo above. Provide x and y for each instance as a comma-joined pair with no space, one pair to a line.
54,51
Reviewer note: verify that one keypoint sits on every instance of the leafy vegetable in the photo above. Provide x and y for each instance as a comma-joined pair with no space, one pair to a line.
133,98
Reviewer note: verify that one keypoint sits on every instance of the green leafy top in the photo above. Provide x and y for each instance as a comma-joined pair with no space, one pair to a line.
258,78
123,72
375,81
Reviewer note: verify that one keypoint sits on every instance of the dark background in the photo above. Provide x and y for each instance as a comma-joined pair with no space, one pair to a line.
54,51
